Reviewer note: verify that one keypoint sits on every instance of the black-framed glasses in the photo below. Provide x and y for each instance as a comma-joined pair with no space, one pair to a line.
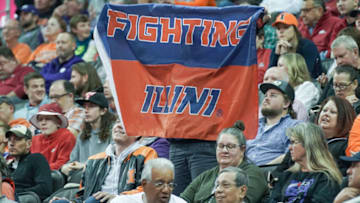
161,184
341,86
57,96
228,147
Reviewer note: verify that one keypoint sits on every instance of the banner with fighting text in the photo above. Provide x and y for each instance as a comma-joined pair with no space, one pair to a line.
181,72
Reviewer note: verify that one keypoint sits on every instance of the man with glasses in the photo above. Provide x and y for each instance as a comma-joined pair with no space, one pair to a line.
63,93
345,82
117,170
270,144
319,26
157,180
35,90
346,53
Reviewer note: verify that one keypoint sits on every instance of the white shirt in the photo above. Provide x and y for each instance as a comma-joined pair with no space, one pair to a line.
138,198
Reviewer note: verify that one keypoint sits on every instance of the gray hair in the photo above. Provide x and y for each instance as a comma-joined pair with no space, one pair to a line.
345,40
241,178
155,163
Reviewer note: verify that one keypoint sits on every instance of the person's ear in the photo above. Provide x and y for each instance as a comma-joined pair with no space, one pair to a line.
242,191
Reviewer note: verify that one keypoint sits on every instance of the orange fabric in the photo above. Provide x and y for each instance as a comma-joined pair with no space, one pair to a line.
22,52
354,138
44,53
196,3
19,121
8,190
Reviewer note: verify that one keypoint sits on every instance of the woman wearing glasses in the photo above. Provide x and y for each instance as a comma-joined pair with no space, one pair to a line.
314,177
335,118
230,151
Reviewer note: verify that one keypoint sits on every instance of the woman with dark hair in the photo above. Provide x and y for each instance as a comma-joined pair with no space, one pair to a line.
290,40
335,118
314,176
230,151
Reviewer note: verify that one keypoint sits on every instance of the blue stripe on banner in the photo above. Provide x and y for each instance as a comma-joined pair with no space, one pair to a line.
208,37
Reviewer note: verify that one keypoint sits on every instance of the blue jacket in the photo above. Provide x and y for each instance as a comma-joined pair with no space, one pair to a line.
54,70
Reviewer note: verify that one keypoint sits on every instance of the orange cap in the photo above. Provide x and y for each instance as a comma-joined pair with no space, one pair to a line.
286,18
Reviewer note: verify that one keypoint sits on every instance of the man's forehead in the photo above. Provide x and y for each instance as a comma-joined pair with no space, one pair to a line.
273,91
161,173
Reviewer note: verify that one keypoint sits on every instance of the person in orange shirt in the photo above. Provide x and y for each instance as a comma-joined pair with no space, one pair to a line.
46,52
11,33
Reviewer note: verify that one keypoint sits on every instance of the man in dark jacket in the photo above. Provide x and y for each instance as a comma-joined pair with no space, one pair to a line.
30,172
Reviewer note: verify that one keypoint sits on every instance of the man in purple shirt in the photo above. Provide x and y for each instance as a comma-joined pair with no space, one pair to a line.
271,143
60,67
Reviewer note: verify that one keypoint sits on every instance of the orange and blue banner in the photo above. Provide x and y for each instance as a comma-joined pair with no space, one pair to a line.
181,72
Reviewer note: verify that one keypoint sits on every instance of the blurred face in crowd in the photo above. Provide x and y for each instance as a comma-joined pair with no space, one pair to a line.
328,118
228,151
27,19
343,86
119,136
52,28
107,90
159,189
7,67
11,30
272,74
3,140
297,151
82,30
73,7
345,6
35,90
65,46
18,146
226,189
93,112
309,13
354,175
59,95
48,123
345,56
274,103
42,4
6,112
78,80
285,32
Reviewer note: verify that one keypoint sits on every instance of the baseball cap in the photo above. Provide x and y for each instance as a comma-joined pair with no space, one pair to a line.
97,98
19,131
286,18
29,8
280,85
353,158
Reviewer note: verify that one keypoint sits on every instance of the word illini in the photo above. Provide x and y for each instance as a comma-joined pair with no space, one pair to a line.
145,28
183,96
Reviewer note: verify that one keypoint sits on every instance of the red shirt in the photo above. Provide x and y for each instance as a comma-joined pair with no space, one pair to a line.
324,32
263,59
15,82
55,147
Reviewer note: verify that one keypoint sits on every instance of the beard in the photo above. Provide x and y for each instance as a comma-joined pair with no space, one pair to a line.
266,112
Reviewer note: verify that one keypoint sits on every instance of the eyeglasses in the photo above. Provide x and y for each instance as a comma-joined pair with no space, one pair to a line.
161,184
225,185
57,96
227,146
341,86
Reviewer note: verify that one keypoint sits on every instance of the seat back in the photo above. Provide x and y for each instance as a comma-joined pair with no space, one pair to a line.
57,179
29,197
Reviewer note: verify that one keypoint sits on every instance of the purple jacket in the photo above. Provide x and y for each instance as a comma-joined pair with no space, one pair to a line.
53,70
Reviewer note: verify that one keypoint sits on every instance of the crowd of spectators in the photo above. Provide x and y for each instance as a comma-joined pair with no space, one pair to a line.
58,116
